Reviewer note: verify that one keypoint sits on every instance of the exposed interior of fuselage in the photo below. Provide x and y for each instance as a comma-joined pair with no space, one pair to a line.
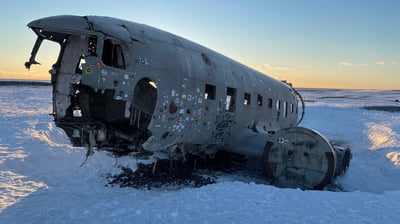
91,116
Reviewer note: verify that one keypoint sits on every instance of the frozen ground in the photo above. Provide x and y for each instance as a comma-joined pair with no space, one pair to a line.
41,182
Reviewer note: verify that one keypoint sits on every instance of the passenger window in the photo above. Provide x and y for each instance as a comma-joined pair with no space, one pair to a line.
113,55
259,100
247,98
278,105
269,102
285,104
291,108
230,99
209,92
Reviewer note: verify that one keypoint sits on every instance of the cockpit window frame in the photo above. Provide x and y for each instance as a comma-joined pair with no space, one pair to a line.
117,57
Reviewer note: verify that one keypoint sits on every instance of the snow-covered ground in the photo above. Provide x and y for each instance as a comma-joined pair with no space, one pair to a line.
41,180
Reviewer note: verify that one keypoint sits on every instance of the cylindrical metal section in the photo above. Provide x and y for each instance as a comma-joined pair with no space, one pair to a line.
248,143
343,156
299,157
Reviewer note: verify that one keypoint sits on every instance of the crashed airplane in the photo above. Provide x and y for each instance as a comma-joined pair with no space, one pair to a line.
121,86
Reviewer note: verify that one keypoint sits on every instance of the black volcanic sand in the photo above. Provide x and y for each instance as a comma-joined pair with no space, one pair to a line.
383,108
24,83
176,174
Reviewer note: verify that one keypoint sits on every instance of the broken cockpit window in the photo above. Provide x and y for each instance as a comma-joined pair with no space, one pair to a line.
92,46
113,54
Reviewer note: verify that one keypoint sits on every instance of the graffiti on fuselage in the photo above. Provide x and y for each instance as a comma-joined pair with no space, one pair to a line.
223,123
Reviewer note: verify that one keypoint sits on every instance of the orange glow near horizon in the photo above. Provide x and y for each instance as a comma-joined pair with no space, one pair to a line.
333,77
15,69
26,75
306,78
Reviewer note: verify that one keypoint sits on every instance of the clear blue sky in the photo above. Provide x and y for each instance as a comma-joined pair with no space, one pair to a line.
313,43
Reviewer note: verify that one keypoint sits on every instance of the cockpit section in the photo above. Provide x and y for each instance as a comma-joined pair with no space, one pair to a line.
96,97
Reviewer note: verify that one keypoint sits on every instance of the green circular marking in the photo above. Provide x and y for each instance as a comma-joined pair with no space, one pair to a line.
88,70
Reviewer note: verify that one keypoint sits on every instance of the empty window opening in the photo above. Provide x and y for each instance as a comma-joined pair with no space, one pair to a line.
259,100
247,98
291,108
269,103
230,99
285,105
113,55
209,92
92,46
278,105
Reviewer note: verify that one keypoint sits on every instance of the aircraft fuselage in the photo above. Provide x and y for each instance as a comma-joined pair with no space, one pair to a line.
121,86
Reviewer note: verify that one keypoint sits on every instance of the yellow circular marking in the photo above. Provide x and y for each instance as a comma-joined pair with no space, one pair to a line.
89,70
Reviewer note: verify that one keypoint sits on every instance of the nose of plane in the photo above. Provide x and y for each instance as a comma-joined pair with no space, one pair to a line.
58,23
